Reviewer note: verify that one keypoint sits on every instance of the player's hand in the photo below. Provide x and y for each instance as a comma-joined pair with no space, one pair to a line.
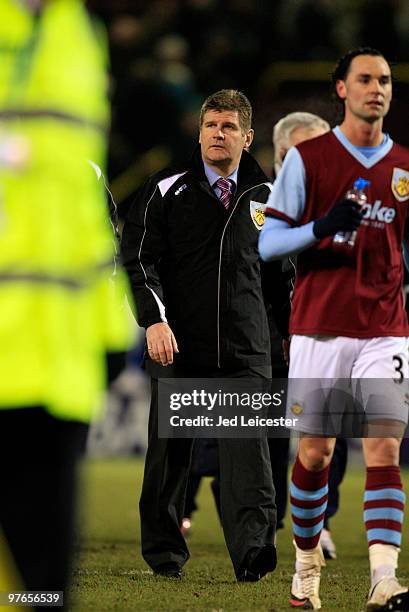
345,216
161,343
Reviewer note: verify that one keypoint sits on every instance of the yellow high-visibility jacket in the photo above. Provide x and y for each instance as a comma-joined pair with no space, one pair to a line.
59,307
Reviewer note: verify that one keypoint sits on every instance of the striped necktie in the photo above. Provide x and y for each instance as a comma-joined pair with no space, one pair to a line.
226,193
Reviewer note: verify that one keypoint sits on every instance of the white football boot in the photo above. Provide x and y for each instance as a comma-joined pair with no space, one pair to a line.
306,581
389,596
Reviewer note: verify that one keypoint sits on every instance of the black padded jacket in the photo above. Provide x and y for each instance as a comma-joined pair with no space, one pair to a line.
195,265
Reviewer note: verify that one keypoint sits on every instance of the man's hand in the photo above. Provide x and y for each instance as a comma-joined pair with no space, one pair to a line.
161,343
345,216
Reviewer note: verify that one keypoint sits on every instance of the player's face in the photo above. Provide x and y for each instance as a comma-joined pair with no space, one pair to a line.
367,89
300,134
222,139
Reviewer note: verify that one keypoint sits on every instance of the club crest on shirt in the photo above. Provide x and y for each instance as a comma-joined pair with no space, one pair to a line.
257,213
296,408
400,184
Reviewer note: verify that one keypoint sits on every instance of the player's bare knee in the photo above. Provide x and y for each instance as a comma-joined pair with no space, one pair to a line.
315,455
382,452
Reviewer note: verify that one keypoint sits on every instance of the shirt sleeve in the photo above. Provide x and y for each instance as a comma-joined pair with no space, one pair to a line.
279,239
142,247
287,197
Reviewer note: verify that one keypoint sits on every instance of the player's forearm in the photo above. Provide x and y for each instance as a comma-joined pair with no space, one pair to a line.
278,239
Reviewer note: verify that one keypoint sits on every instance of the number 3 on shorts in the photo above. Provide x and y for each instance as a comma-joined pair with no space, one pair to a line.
398,363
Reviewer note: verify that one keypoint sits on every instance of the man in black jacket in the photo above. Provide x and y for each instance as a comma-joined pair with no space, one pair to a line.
190,248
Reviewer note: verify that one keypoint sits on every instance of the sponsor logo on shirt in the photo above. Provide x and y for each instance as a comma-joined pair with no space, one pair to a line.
400,184
257,213
377,213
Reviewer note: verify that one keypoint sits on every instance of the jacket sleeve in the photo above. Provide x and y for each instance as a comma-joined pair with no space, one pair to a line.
276,292
142,247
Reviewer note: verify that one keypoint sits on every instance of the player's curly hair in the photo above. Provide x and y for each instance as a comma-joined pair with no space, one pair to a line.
229,100
341,70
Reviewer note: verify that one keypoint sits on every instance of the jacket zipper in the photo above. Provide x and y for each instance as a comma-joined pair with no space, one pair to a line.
220,265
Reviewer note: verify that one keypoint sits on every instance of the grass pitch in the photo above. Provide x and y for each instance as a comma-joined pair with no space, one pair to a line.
110,573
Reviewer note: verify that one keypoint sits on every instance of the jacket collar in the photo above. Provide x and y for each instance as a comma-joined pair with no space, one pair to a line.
249,173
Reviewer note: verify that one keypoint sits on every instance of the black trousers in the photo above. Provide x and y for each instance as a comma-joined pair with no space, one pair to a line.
336,474
247,496
279,449
38,458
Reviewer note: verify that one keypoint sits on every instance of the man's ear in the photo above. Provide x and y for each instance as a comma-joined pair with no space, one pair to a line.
249,139
341,89
282,152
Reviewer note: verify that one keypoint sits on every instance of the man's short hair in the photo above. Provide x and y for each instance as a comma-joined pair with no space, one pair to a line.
285,126
229,100
342,68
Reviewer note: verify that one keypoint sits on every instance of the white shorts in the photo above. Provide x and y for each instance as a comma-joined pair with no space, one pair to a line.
332,378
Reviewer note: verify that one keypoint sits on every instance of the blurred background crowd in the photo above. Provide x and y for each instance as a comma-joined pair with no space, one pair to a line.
168,55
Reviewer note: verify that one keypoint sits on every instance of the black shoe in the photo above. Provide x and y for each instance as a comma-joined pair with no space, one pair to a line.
169,570
265,561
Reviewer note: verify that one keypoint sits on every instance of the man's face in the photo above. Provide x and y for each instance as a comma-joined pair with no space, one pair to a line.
222,139
298,135
367,89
